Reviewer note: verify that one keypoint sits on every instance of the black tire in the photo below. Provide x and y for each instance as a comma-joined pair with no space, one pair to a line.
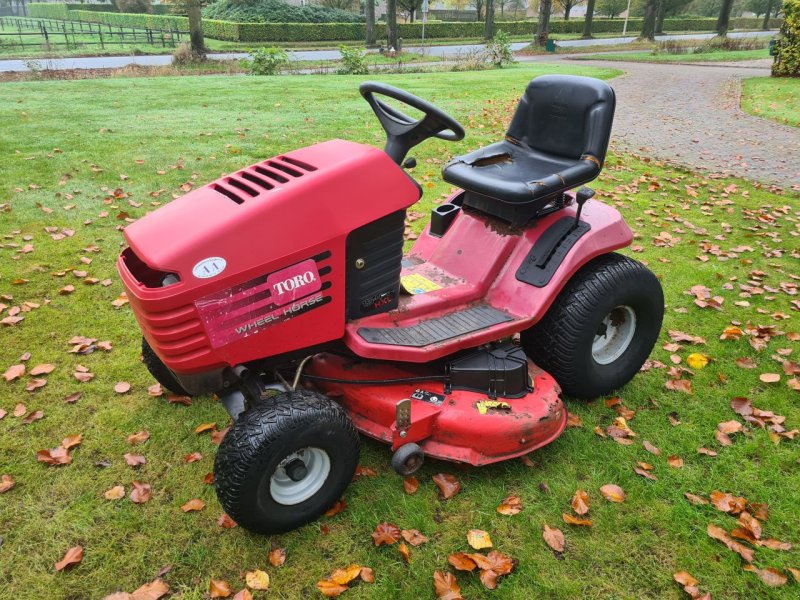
160,372
561,342
408,459
268,434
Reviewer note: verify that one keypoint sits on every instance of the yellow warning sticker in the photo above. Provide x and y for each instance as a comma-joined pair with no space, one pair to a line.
484,406
417,284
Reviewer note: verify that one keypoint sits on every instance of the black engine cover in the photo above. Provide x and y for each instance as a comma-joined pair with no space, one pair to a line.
500,371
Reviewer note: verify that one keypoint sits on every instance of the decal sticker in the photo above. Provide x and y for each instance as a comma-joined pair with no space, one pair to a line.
484,406
255,305
417,284
429,397
209,267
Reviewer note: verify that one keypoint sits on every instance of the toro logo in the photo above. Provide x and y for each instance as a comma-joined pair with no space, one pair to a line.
294,282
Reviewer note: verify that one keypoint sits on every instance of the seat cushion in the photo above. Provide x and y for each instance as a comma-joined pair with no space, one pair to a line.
515,174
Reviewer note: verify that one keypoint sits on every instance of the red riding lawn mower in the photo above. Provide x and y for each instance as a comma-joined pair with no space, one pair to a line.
283,288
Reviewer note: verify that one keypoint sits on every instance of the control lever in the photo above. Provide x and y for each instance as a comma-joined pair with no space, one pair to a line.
581,197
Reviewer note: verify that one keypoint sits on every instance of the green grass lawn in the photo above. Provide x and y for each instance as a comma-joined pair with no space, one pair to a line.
773,98
726,56
68,145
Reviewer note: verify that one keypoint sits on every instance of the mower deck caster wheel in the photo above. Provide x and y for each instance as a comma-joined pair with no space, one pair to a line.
408,459
285,461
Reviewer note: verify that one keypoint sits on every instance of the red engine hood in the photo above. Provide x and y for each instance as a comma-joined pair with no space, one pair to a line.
282,205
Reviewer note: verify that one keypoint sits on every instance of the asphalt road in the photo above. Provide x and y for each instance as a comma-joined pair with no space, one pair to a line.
112,62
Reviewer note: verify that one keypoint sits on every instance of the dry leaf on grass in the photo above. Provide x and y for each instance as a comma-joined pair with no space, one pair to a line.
478,539
580,502
115,493
140,493
771,576
510,506
718,533
571,520
554,538
72,557
218,588
612,493
277,556
445,586
413,537
193,505
257,580
386,533
410,484
448,485
6,483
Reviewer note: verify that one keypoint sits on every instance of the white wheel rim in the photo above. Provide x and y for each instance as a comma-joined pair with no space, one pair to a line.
614,335
284,490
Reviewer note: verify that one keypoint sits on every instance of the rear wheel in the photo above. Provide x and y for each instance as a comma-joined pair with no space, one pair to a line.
286,461
160,372
601,328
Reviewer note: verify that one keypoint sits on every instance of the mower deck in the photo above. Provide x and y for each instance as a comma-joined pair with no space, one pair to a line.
456,425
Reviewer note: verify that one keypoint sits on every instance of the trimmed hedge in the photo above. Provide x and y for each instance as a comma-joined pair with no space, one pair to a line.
787,56
336,32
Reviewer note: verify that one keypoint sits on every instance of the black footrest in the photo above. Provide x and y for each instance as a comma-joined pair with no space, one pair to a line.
436,330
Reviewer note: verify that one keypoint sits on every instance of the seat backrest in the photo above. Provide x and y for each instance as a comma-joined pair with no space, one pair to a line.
565,115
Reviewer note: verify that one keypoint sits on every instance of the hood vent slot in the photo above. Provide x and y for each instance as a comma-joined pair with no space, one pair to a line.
298,163
285,168
242,186
226,192
253,181
256,180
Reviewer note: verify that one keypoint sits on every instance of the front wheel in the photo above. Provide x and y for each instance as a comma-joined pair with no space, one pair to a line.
601,328
160,372
286,461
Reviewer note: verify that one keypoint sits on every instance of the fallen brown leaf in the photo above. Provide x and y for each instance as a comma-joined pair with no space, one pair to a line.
386,533
554,538
580,502
612,493
72,557
448,485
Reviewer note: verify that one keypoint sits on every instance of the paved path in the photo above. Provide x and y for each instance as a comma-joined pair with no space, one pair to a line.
690,114
113,62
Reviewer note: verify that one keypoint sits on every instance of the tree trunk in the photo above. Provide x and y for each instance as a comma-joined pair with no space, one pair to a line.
567,8
587,22
369,13
765,25
649,23
196,27
723,22
660,13
391,23
412,15
488,24
543,25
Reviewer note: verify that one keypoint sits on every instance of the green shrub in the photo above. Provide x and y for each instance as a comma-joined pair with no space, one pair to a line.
276,11
266,61
354,61
787,57
134,6
498,50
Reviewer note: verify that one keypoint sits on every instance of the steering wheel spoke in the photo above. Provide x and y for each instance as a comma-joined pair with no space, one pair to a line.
404,132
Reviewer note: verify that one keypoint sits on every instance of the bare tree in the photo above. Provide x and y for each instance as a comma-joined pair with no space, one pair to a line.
543,25
649,23
567,6
369,14
488,24
391,23
587,21
410,6
723,21
478,4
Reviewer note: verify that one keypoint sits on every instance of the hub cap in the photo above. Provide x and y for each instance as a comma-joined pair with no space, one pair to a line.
299,476
614,335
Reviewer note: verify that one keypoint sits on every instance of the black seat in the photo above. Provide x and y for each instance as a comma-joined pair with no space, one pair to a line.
557,141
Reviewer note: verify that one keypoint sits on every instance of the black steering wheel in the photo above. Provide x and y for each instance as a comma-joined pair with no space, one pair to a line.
404,132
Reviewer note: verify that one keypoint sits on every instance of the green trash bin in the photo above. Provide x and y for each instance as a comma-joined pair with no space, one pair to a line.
550,45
